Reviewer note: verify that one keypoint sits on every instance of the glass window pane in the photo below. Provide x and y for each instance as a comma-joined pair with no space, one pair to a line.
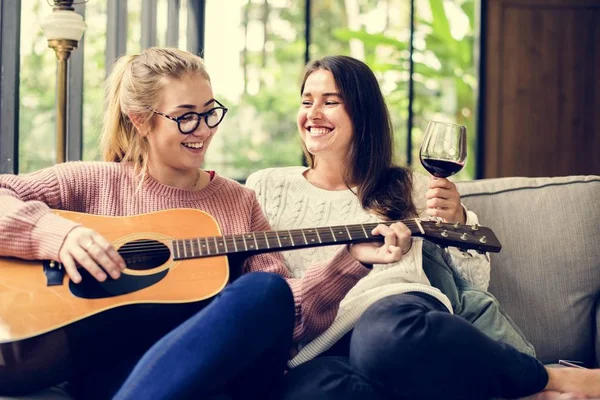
376,32
134,26
445,71
94,60
37,121
37,111
254,51
94,74
183,24
161,22
445,78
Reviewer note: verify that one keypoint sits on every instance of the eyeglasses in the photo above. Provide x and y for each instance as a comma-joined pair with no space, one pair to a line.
189,122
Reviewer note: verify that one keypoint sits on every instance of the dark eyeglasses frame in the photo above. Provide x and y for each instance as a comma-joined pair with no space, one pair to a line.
200,116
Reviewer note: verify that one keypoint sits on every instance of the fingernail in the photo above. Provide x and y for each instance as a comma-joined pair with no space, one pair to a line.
101,276
115,274
122,265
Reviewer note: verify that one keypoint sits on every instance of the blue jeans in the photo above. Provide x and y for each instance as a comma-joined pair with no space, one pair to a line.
239,343
235,347
409,346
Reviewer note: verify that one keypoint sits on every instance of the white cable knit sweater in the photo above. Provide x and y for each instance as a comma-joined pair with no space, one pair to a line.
290,202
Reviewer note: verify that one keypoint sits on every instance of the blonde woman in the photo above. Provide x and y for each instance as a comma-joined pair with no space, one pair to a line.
160,118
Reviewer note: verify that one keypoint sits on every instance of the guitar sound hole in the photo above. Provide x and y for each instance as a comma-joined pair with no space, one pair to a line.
144,254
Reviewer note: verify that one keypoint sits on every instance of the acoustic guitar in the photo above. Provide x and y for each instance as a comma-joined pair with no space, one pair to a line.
172,256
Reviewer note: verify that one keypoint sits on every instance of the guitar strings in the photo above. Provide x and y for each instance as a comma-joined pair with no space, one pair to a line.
355,231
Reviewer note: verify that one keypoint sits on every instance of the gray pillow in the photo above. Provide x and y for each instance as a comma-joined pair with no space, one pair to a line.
547,275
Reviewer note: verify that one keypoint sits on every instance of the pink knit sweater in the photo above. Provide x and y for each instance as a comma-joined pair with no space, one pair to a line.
29,230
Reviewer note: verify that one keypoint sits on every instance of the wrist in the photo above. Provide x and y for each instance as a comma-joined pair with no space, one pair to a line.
405,251
368,266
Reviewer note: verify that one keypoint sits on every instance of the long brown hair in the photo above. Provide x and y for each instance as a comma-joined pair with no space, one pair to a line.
383,187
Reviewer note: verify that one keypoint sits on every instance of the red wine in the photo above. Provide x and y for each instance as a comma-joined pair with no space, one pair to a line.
441,168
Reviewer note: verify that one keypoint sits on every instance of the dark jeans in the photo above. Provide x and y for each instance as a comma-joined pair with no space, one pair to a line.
235,347
409,346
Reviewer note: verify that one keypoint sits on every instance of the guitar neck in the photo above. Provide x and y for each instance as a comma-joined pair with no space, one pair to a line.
281,240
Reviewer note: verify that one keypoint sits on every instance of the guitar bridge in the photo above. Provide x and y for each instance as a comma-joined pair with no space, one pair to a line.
54,272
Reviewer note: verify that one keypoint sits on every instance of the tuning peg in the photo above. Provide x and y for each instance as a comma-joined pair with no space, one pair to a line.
482,239
444,233
438,223
456,225
463,236
475,227
465,253
487,257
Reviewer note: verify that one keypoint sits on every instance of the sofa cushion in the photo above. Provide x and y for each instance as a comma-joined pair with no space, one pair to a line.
547,275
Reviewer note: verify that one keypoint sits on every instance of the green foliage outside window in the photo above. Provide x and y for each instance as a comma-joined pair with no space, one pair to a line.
260,128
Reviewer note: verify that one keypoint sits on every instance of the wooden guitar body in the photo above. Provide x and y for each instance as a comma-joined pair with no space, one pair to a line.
29,307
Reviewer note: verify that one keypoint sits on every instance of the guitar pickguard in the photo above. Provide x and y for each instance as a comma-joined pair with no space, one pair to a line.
90,288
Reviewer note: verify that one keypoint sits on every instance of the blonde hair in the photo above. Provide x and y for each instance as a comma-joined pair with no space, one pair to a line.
133,88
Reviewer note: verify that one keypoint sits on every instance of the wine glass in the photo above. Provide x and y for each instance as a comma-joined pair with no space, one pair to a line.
444,149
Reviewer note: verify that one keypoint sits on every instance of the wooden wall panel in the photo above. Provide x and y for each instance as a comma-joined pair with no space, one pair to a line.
542,88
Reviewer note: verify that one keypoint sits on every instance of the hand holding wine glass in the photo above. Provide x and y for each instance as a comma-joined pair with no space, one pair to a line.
443,153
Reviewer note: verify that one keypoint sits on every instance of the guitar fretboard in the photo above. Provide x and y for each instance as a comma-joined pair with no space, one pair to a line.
279,240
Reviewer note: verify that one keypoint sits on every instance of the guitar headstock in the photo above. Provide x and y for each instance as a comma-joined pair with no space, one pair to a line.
474,237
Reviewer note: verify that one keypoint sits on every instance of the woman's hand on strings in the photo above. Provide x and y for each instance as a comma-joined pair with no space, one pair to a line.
397,242
88,249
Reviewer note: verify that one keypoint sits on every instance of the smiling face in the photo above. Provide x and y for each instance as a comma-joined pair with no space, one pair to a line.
323,122
169,149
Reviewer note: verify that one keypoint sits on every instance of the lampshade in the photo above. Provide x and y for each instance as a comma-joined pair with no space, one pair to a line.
64,24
